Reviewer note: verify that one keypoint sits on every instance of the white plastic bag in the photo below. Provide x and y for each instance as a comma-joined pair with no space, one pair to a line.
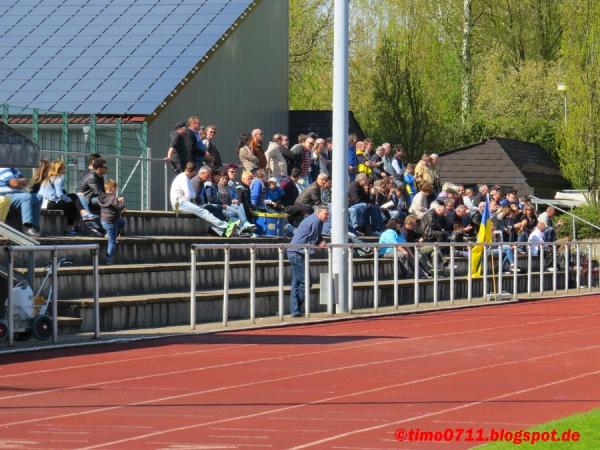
22,301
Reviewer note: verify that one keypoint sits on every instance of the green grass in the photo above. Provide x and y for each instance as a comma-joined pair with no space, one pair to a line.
587,425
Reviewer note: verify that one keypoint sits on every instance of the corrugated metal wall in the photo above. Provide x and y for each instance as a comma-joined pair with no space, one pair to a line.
244,85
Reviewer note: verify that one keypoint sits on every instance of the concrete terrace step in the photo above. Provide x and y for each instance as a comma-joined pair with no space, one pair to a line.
133,279
172,308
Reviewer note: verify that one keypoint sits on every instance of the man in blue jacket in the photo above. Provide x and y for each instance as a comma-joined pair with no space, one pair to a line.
308,232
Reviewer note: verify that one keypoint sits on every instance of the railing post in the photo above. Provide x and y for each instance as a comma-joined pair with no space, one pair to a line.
167,187
375,279
64,142
96,264
280,295
350,280
452,273
148,178
435,274
500,272
469,273
578,267
395,277
11,309
330,284
416,287
119,150
554,267
528,270
515,274
193,290
306,282
226,285
484,279
142,184
35,126
54,297
542,263
566,267
590,267
253,284
93,142
5,113
574,228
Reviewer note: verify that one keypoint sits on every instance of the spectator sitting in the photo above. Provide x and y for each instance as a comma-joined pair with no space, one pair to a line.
434,225
111,208
393,235
273,194
182,196
550,228
377,160
12,186
53,192
363,159
462,225
92,184
468,199
258,190
481,195
39,175
420,205
289,188
526,224
398,164
243,193
227,191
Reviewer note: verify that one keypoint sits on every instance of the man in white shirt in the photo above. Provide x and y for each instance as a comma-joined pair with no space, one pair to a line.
182,196
537,237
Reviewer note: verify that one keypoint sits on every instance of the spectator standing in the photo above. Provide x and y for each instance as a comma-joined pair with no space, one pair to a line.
12,186
214,159
308,232
247,156
111,208
398,161
305,162
276,162
257,150
352,161
195,134
423,172
320,164
409,180
182,148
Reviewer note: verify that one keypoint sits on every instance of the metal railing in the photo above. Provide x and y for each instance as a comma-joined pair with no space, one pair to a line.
494,256
574,217
53,249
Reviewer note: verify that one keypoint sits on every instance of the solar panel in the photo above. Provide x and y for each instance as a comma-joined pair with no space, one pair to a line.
105,56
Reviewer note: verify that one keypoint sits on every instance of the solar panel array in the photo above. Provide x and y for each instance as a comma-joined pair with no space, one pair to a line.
105,56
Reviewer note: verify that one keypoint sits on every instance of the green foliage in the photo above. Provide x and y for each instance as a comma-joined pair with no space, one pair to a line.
583,231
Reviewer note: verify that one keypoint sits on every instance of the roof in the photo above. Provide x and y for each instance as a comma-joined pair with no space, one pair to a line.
106,56
16,150
524,166
318,122
74,120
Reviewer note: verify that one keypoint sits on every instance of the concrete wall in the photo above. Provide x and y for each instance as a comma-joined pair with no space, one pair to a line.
243,85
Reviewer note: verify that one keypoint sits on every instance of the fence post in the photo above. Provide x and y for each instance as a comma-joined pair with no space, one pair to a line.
54,297
542,264
306,282
590,267
148,178
416,286
142,165
350,280
395,277
193,290
93,141
435,274
578,267
469,273
566,267
330,284
35,126
10,309
253,284
142,183
96,265
500,272
485,271
119,150
166,175
226,286
554,267
452,273
375,279
64,141
574,228
528,270
515,273
280,295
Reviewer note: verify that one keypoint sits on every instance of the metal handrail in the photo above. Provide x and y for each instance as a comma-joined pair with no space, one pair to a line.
575,217
53,249
488,270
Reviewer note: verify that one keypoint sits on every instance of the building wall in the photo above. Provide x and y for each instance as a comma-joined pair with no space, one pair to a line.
243,85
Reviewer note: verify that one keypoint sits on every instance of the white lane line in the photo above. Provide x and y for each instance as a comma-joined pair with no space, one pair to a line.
460,372
444,411
354,394
170,355
276,358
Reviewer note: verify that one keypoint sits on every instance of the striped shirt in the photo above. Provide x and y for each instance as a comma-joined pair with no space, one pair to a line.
7,174
306,162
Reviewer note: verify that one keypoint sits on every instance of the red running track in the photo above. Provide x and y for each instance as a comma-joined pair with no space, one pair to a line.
345,385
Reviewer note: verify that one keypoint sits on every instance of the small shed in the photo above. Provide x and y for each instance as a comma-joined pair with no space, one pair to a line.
510,163
16,150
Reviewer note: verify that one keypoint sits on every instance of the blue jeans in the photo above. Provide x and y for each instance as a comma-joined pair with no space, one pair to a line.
356,215
112,230
30,206
298,283
217,225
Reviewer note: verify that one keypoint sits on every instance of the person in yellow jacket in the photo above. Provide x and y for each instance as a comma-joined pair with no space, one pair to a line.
363,160
423,172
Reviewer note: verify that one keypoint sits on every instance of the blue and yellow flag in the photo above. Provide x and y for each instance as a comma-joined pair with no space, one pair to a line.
483,235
